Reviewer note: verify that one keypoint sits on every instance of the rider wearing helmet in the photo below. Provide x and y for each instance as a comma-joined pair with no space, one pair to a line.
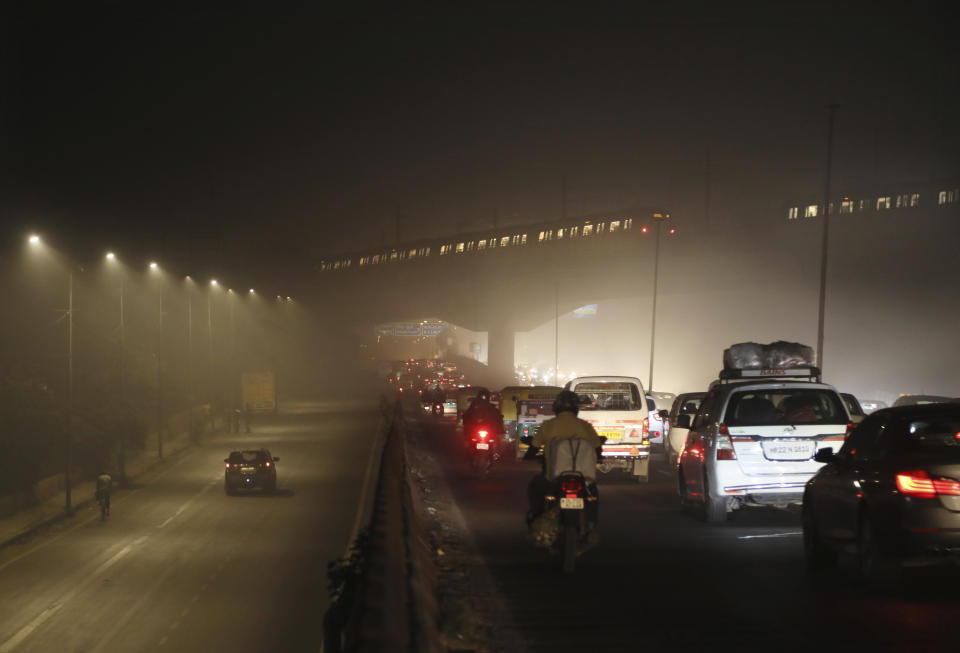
481,411
565,424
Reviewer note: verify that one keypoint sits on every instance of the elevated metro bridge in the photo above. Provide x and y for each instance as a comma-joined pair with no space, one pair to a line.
503,280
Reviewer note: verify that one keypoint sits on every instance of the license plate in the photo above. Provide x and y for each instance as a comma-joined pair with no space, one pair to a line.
571,503
788,449
483,445
247,470
610,434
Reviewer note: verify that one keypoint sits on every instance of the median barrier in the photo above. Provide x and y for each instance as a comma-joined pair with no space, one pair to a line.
383,589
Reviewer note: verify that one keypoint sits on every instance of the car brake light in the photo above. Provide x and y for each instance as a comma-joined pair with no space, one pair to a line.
571,485
646,426
482,434
725,450
917,483
228,465
267,463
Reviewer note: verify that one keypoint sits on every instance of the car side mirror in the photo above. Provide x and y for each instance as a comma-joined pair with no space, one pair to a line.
683,421
825,455
226,460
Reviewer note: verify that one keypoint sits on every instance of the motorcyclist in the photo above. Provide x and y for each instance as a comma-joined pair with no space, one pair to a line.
103,491
481,411
565,424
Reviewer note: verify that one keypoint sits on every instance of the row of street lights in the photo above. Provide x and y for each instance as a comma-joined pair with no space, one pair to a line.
155,269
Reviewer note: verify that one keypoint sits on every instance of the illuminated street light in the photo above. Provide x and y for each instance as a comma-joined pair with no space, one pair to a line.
155,268
34,240
121,375
213,282
251,291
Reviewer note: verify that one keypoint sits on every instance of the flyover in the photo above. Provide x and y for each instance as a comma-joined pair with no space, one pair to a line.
501,280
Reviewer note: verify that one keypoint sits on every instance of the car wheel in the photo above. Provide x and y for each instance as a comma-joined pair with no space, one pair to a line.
877,569
714,509
815,554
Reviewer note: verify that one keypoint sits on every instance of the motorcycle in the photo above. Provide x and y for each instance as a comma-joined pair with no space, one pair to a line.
482,447
567,522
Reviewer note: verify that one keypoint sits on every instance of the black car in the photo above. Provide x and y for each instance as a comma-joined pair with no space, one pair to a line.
252,468
891,495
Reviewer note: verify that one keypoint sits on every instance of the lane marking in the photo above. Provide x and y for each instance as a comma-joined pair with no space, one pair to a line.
189,502
24,632
755,537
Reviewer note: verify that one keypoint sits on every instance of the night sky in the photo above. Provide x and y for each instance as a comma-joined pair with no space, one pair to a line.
262,136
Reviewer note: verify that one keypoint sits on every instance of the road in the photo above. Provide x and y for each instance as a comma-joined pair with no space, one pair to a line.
663,580
180,566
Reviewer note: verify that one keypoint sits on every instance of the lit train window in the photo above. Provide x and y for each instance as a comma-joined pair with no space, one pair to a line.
459,248
914,199
444,249
523,239
627,223
883,202
587,229
482,244
543,236
846,206
413,253
573,232
505,241
559,234
470,246
336,266
393,257
810,211
614,225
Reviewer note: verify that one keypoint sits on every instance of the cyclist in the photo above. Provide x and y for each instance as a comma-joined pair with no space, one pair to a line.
104,489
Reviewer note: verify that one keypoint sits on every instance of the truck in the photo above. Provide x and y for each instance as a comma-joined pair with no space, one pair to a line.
258,392
616,407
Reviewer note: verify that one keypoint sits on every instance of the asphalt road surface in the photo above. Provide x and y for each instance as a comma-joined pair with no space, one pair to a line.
180,566
663,580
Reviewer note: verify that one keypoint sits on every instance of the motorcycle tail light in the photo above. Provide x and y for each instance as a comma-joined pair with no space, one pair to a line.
571,485
482,434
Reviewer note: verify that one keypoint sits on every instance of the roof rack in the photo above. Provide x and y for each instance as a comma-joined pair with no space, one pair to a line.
806,372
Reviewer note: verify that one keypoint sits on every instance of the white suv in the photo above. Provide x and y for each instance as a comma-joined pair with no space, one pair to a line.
753,440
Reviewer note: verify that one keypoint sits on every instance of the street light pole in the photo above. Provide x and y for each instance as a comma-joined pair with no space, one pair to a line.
658,217
832,110
69,434
122,456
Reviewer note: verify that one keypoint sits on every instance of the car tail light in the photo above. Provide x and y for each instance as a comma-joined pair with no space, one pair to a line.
228,465
571,485
725,450
267,463
917,483
646,427
482,434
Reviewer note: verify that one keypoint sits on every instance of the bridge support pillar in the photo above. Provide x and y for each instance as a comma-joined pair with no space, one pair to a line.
500,354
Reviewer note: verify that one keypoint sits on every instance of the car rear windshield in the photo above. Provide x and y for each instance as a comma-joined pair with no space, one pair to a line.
608,396
784,406
933,432
245,456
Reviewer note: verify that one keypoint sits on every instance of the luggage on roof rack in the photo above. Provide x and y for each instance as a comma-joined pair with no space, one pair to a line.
776,355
